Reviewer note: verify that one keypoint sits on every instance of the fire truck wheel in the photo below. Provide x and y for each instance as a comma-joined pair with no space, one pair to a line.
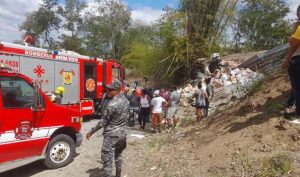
60,151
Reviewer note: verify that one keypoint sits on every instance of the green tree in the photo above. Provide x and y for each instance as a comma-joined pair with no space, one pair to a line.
157,50
201,18
73,25
141,46
140,33
202,25
74,44
105,27
72,14
174,43
142,58
223,19
40,23
261,23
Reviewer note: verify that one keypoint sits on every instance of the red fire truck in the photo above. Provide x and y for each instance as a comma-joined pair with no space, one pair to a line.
32,127
81,76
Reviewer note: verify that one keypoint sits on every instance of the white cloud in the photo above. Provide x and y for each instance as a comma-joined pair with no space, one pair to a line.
173,4
12,14
293,4
143,14
146,15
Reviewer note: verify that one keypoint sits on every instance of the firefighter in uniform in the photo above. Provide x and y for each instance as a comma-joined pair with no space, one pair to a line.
114,112
58,95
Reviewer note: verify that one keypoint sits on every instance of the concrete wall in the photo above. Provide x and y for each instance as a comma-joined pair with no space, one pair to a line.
268,62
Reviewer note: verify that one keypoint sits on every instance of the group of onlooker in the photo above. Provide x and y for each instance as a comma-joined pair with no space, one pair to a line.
165,105
162,104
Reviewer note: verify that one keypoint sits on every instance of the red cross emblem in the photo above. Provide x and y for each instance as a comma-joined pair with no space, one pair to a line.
39,71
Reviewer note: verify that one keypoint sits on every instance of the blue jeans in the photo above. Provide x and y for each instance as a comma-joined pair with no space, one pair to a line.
294,75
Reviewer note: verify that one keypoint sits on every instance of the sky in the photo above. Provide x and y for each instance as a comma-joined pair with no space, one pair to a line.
155,4
293,4
12,13
148,11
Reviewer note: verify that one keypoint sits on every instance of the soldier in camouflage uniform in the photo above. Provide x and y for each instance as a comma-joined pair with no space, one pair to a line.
114,113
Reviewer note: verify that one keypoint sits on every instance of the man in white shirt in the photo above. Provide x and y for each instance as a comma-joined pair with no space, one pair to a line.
156,108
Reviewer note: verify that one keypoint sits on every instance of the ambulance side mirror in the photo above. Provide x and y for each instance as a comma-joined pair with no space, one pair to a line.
38,98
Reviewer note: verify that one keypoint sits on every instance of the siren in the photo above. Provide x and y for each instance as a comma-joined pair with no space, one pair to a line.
28,40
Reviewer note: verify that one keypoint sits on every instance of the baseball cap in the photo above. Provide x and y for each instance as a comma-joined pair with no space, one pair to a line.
156,92
114,84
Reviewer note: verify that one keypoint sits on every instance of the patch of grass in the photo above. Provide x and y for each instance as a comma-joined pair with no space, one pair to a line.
187,121
167,175
217,172
217,111
156,143
262,86
243,166
277,165
275,107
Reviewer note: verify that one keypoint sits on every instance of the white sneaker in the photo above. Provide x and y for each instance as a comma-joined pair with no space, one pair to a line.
296,121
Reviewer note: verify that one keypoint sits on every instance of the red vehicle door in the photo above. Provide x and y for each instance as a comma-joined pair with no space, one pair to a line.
89,78
113,70
17,139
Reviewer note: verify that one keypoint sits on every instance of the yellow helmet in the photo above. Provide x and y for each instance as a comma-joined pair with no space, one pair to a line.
60,90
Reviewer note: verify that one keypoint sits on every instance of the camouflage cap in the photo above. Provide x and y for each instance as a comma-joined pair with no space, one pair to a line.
114,84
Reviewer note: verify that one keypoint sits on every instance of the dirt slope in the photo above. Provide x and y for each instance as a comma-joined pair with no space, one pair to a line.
236,142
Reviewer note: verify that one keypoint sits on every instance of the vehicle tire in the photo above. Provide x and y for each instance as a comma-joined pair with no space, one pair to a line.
60,151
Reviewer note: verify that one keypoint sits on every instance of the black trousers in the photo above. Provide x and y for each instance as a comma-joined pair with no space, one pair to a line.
294,75
143,116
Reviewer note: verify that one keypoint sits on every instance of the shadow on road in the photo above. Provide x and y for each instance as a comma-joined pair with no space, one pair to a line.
25,171
95,172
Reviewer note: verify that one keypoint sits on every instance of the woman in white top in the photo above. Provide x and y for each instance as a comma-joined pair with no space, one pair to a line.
145,109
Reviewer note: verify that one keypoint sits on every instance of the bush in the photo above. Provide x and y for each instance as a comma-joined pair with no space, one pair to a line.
187,121
278,165
156,143
275,107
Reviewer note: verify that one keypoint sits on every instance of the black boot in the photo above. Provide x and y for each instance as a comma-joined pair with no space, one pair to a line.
118,173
